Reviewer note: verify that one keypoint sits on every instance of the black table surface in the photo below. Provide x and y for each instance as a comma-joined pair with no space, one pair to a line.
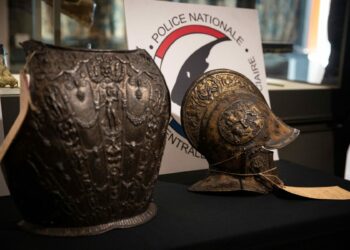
188,220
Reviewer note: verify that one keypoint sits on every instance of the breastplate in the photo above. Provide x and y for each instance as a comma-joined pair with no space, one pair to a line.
87,156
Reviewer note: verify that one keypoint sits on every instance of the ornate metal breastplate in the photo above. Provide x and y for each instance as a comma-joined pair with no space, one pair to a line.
88,155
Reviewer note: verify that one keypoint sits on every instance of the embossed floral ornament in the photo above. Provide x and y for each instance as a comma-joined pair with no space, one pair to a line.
226,118
207,90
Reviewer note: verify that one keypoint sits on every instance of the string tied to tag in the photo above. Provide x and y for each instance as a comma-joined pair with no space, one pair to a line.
264,174
24,79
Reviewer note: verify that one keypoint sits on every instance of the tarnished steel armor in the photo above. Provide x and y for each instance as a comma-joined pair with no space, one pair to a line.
227,119
87,156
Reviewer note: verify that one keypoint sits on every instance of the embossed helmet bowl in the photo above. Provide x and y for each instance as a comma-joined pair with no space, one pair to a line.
87,156
226,118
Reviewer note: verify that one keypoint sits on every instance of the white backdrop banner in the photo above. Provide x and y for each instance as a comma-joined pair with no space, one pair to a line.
186,40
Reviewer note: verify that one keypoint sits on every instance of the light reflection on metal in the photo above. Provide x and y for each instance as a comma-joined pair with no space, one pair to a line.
226,118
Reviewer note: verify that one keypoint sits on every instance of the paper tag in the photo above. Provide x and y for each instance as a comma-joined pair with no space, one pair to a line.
24,101
320,193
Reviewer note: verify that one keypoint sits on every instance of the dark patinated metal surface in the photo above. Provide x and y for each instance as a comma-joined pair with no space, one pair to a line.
88,154
226,118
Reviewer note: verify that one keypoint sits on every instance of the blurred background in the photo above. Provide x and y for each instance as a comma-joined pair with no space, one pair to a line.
300,25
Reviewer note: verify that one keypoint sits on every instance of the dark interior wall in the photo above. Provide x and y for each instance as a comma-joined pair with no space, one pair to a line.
10,110
341,100
313,148
310,111
303,106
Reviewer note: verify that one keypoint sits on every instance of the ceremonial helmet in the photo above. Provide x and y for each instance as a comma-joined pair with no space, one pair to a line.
226,118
